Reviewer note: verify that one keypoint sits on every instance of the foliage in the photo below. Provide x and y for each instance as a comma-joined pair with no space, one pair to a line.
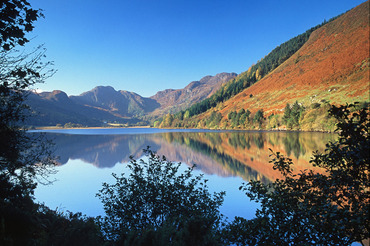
214,120
310,208
72,125
17,18
292,115
167,121
273,121
256,72
239,119
157,205
58,228
34,224
23,157
258,117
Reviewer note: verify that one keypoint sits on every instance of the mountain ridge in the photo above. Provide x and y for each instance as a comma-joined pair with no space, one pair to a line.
195,91
104,104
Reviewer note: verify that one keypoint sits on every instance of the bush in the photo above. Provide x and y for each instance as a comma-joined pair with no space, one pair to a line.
315,105
156,205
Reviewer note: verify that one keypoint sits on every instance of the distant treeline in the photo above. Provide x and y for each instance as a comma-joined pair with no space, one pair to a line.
313,117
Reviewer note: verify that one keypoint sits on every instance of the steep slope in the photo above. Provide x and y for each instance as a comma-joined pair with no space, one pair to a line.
332,66
175,100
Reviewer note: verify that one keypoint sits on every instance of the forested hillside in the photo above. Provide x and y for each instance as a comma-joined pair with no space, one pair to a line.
295,84
255,73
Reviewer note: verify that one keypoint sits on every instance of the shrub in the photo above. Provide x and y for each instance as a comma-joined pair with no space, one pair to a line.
157,205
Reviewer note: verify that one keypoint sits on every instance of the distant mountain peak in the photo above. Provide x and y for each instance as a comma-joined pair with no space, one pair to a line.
175,100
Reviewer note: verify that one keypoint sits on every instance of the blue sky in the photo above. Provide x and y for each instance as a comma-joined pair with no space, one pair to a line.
146,46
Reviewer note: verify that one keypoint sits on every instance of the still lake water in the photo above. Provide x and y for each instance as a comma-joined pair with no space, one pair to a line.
88,157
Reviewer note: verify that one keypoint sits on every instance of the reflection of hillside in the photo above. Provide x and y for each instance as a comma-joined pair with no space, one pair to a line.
244,154
194,151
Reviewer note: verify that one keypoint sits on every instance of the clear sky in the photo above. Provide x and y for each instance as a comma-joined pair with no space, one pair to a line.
146,46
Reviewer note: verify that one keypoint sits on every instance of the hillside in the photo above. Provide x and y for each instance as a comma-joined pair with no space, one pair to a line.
332,67
175,100
52,108
103,104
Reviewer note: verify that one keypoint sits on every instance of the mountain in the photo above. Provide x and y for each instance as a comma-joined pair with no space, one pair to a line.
93,108
119,103
331,66
171,100
104,104
52,108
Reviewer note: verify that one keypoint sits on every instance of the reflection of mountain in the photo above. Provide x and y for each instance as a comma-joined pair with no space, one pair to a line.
243,154
99,150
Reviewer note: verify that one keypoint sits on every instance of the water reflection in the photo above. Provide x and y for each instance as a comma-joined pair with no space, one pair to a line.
225,154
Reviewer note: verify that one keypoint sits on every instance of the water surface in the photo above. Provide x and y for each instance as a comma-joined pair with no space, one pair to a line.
87,157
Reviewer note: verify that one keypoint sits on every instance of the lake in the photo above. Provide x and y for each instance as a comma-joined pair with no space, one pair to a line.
88,157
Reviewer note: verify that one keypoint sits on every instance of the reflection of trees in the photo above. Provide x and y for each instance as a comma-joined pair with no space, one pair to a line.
223,153
239,141
259,141
236,151
245,140
292,144
232,164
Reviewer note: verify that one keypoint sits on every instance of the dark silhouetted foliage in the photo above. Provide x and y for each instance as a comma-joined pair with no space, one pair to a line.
155,204
311,208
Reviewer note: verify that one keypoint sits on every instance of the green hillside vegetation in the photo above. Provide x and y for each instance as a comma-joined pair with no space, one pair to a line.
313,117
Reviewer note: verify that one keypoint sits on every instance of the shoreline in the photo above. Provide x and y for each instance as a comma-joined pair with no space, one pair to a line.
170,128
89,127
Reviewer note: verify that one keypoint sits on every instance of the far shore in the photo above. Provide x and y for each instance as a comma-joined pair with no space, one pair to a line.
133,127
87,127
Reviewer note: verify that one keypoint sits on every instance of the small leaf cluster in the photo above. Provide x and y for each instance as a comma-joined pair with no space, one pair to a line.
16,19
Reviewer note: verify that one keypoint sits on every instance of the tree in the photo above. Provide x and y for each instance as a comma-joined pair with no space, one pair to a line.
292,115
186,114
167,121
258,117
157,205
231,115
311,208
287,112
296,113
19,152
242,119
17,18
